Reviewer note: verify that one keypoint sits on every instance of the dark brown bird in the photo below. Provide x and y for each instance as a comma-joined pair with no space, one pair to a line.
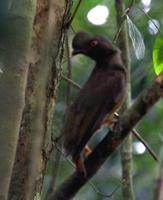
101,95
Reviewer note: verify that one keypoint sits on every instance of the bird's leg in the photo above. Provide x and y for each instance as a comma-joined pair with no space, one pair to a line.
79,162
78,159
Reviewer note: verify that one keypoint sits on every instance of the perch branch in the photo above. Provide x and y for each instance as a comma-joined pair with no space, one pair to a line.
112,140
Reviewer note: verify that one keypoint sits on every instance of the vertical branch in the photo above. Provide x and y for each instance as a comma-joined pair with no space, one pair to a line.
55,170
126,149
159,186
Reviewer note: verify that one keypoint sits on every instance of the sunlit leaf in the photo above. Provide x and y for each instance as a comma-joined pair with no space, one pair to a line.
137,39
158,55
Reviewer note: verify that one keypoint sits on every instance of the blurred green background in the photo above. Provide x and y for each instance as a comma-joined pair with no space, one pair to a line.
145,169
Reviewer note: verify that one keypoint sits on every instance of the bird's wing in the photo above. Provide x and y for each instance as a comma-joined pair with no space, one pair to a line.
76,124
100,95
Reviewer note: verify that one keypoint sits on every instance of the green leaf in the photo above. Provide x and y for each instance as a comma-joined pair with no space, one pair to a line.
158,55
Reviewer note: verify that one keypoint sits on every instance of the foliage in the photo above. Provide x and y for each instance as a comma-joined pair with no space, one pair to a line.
157,55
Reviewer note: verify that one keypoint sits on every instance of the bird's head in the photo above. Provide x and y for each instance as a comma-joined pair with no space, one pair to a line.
95,47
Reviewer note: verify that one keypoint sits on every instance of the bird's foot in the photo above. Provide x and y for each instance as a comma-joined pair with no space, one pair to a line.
79,162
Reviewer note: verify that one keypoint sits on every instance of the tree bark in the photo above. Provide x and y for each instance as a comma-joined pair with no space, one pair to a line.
15,37
35,135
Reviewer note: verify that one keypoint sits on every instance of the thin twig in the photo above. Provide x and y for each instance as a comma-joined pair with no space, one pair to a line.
150,18
55,171
105,195
72,28
76,85
57,159
63,154
139,137
74,13
117,33
69,71
130,6
122,20
153,154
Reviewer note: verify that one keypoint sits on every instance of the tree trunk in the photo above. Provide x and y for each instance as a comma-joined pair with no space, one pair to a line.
16,25
35,134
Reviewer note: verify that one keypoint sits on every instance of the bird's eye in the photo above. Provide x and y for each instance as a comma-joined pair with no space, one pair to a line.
93,43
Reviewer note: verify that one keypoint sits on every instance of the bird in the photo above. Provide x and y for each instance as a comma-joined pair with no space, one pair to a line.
101,95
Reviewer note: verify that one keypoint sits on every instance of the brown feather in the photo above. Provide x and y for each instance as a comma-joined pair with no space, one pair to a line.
102,94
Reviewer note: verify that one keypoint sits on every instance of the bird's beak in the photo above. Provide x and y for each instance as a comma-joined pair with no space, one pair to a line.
77,51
